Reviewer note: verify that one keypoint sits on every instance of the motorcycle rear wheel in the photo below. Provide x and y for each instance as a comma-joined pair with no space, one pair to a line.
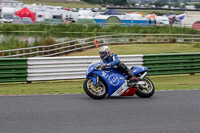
96,92
146,92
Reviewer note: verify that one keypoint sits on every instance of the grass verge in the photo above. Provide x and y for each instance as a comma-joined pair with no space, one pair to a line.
130,49
167,82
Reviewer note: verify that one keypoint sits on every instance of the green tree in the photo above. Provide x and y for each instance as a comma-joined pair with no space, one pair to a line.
197,6
160,3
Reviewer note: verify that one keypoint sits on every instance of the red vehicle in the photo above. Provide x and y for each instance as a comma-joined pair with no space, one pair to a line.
196,25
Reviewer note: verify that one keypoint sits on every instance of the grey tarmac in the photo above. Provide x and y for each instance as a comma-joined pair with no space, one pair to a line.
165,112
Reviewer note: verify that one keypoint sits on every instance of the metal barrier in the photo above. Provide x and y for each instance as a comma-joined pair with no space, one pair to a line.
164,64
81,44
13,70
75,67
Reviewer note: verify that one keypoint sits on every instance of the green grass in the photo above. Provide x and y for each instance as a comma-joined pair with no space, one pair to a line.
143,49
176,82
169,82
44,87
192,3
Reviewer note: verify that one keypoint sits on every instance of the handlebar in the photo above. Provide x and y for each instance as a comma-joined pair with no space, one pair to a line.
100,66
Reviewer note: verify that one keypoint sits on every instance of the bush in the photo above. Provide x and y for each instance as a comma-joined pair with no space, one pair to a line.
47,41
15,43
96,28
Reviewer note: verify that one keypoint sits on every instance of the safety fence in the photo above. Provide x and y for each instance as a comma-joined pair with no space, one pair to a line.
13,69
164,64
75,67
81,44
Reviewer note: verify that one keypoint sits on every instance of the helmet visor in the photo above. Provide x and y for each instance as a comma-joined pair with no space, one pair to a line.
102,54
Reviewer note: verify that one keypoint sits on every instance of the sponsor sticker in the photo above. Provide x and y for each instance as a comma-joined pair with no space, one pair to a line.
104,74
121,77
113,80
121,90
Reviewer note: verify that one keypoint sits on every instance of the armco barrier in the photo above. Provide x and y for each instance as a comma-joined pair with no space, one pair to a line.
161,64
13,69
75,67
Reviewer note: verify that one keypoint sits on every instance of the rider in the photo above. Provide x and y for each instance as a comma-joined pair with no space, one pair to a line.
111,60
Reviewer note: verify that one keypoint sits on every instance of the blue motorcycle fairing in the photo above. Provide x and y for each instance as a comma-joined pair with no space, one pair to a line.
138,69
111,76
91,69
113,80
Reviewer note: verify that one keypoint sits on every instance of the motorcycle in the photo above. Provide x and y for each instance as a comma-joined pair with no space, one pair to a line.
102,81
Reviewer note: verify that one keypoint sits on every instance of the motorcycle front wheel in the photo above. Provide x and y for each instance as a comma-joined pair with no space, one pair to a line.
96,92
147,90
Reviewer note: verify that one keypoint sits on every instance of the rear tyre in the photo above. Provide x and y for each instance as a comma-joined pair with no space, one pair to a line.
145,92
96,92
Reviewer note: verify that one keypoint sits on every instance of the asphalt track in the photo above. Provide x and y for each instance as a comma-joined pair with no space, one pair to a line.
165,112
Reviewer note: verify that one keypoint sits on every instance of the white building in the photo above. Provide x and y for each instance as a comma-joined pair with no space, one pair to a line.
11,3
48,12
191,7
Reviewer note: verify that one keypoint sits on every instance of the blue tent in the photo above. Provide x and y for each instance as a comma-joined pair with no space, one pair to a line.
111,12
171,13
180,17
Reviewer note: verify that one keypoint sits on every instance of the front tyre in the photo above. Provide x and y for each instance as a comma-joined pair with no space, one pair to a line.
145,89
96,92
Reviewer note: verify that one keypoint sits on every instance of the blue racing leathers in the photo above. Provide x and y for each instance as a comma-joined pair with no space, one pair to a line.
113,60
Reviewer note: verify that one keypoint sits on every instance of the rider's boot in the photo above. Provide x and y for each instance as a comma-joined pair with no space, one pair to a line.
132,80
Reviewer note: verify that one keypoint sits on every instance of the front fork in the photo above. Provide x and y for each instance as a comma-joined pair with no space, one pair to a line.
95,80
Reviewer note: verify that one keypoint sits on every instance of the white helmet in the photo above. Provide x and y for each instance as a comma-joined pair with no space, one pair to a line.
104,52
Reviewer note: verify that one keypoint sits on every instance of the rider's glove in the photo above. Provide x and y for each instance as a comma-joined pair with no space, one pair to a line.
105,65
